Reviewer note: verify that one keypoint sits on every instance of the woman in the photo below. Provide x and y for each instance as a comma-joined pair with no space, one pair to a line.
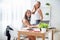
37,15
26,23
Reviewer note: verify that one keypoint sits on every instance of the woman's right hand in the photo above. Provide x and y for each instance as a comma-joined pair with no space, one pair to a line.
33,10
35,26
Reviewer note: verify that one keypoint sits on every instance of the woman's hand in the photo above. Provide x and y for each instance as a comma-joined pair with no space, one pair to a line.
33,10
35,26
41,19
41,15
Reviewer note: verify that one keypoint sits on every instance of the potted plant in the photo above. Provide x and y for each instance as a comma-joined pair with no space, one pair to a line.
43,26
47,14
48,4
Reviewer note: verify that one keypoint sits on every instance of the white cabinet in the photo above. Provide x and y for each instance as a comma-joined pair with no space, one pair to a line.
46,14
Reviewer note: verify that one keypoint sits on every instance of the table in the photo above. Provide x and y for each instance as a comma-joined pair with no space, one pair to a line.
32,33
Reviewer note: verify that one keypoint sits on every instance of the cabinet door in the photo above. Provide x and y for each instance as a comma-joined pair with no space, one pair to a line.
46,13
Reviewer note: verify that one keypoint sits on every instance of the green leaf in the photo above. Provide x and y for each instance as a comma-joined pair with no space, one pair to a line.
43,25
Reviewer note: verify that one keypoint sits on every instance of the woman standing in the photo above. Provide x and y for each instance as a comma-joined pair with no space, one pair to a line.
37,15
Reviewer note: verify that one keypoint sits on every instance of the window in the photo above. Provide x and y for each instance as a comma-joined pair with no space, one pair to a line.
13,11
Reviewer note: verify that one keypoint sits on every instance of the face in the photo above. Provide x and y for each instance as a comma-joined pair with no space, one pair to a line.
37,5
28,14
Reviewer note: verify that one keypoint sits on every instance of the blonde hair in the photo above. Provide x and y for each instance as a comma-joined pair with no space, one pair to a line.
38,3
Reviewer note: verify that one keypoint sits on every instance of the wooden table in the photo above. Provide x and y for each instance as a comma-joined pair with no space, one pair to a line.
32,33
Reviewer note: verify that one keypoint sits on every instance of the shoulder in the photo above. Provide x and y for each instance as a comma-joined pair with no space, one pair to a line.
24,20
39,10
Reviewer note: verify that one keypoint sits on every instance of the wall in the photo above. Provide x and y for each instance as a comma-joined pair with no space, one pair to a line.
55,11
12,13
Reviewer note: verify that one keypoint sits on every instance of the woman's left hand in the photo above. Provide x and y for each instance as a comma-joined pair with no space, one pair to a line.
41,19
35,26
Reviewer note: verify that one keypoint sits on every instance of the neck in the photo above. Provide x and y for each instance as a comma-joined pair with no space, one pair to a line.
36,8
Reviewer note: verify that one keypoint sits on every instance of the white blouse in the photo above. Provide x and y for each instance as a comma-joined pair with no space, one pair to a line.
35,17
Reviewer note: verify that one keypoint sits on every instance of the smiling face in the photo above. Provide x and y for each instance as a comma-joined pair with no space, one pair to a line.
28,13
37,5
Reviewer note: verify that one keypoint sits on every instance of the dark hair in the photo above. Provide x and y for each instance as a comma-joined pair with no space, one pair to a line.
26,15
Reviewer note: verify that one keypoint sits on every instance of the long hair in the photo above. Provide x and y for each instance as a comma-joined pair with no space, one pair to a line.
38,3
26,15
35,6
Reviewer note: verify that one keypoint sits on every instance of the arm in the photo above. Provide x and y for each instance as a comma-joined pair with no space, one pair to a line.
41,15
26,23
33,10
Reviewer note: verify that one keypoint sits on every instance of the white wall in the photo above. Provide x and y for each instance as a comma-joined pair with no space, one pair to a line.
12,14
55,11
